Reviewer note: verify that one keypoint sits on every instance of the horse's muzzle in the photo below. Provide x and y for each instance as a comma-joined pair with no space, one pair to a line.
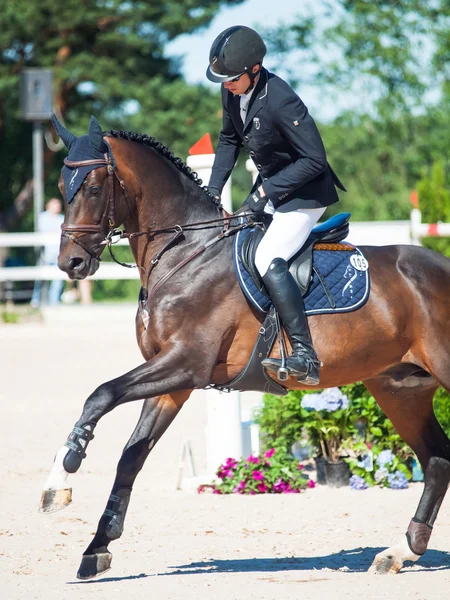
78,267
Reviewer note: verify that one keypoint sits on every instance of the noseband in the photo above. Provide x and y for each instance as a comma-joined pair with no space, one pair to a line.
107,223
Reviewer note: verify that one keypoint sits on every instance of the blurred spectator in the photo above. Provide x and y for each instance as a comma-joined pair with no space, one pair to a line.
49,221
78,291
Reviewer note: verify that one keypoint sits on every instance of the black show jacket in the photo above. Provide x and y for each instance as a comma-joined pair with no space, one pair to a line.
283,140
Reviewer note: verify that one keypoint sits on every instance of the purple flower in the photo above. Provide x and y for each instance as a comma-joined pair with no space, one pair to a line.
358,483
270,453
258,476
385,458
222,473
330,399
279,486
381,474
397,480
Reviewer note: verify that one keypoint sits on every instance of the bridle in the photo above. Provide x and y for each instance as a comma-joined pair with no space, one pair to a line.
107,223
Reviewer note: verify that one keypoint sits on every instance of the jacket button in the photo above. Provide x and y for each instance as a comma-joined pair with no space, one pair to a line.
246,138
252,154
259,167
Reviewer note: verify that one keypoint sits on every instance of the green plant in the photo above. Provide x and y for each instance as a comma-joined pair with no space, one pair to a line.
10,317
274,472
373,465
441,405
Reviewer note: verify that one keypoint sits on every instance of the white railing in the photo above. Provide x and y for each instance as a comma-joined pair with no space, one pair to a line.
50,273
420,230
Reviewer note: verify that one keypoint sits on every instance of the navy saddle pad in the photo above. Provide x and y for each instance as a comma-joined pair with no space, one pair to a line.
345,274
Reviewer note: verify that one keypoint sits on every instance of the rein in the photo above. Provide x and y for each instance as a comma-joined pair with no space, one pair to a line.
107,223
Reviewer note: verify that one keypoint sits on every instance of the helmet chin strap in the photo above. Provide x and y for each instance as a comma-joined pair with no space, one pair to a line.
253,78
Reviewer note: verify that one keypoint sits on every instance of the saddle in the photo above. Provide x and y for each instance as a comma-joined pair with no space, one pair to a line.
332,231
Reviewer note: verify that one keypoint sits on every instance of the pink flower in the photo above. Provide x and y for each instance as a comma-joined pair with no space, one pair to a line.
279,485
222,473
240,487
270,453
216,491
201,489
300,466
258,476
253,459
230,463
369,446
311,484
262,487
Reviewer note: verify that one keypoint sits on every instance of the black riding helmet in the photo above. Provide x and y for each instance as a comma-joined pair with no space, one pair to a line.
234,52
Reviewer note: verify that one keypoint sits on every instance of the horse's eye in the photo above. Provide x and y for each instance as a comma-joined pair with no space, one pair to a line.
94,190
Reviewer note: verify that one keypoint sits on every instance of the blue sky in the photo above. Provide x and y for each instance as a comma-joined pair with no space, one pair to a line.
195,48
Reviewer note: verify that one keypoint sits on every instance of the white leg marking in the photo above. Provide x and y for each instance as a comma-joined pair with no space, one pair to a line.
391,560
58,475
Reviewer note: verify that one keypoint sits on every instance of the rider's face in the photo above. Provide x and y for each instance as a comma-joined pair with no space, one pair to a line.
239,87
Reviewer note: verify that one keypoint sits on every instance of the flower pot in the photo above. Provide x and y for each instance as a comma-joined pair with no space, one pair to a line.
320,470
337,474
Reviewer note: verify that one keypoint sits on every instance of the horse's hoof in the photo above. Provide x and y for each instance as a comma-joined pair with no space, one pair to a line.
383,565
93,565
53,500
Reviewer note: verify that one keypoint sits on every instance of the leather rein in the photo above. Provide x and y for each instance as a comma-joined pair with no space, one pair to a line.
107,227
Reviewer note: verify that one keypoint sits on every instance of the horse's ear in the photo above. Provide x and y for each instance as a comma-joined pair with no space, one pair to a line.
68,138
96,135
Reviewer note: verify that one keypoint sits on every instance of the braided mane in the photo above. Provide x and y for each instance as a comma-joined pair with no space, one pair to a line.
142,138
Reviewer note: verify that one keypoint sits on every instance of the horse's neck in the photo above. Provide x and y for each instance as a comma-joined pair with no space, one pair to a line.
167,198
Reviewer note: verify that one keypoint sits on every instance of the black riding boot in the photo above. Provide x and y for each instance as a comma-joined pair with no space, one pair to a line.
287,298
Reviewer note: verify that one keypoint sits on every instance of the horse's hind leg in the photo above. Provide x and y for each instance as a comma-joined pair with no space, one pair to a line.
408,403
157,414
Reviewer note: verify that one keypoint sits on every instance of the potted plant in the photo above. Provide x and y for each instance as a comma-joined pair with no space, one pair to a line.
329,423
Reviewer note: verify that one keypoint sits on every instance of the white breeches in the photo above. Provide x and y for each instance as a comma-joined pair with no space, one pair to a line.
286,235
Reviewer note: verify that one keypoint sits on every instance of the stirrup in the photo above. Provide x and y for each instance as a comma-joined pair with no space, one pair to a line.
283,374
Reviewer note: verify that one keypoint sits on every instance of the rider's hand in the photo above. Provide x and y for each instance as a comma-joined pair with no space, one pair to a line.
256,201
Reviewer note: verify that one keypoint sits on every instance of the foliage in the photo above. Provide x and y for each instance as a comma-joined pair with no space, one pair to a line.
275,472
10,317
371,465
434,204
441,405
108,59
328,421
346,422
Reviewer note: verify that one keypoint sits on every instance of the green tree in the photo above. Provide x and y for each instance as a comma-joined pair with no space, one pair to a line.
108,59
434,204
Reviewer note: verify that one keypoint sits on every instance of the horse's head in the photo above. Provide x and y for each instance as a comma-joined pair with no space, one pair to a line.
87,185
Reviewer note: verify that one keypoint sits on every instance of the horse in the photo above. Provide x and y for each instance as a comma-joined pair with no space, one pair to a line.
195,328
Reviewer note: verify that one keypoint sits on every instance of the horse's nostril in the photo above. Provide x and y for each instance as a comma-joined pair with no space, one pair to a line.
75,262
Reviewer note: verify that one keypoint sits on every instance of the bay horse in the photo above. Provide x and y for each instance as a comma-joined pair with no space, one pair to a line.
200,329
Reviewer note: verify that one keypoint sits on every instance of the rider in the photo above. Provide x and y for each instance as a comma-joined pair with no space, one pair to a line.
295,183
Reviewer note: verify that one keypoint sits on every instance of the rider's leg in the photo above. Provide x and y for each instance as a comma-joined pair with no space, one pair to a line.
284,238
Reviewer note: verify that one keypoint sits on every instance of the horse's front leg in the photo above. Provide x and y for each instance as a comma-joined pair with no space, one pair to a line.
170,371
156,416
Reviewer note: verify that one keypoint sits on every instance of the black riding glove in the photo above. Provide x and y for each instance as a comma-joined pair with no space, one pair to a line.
255,202
214,192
